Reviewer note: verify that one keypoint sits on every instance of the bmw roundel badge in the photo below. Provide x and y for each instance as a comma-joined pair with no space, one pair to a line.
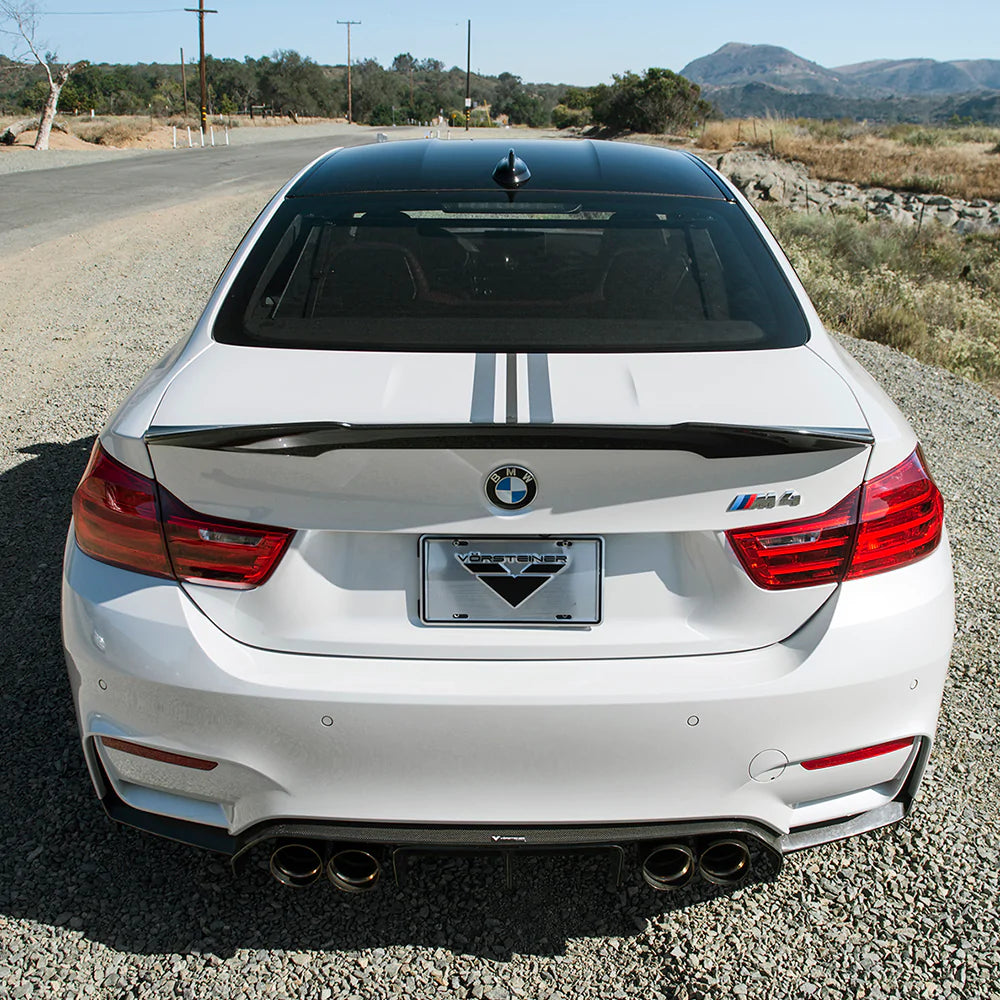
511,487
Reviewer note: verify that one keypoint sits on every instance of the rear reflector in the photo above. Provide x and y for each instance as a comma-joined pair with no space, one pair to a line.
164,756
123,518
894,519
852,755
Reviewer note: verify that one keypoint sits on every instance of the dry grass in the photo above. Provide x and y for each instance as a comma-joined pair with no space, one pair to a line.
118,132
934,294
962,161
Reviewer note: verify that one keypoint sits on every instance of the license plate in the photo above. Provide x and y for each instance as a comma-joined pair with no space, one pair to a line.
505,580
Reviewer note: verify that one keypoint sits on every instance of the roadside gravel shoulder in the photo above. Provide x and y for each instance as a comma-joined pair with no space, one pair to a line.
87,910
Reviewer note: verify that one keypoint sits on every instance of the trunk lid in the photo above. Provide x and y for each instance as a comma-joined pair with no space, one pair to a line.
364,453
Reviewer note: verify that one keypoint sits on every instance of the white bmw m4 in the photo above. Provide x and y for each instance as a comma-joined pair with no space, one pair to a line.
507,500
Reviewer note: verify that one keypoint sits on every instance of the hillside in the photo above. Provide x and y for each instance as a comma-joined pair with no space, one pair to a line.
736,64
745,79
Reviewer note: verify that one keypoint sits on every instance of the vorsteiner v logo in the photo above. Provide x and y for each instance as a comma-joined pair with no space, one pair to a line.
514,576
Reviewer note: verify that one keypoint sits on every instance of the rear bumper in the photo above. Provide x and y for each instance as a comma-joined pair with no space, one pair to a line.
495,838
430,751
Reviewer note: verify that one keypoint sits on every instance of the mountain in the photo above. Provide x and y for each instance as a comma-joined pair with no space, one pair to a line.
924,76
737,64
745,79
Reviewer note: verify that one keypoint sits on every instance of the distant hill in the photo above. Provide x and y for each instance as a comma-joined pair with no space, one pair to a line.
736,64
924,76
745,79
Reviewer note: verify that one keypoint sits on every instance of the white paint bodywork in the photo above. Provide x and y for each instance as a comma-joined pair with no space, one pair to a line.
322,695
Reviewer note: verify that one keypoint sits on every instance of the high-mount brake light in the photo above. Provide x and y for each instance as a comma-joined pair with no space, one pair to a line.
122,518
893,519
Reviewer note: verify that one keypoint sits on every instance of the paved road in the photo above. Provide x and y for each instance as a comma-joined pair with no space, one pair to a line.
40,205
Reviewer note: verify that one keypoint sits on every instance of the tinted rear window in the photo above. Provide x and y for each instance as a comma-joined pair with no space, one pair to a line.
545,272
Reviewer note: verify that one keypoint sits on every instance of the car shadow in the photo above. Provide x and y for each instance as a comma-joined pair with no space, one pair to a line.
63,863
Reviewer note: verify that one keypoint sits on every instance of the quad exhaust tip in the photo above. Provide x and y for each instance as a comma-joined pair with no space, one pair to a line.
669,866
353,869
723,861
296,864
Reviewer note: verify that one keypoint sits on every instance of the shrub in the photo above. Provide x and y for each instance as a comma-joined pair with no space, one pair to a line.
660,101
895,325
564,117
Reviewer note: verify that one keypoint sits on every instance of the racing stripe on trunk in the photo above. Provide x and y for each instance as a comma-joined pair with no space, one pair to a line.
539,389
484,385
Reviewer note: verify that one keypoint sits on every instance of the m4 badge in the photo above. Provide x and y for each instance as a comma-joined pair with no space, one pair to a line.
765,501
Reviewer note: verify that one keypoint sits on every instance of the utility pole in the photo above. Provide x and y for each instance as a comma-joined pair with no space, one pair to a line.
201,12
468,68
350,108
184,83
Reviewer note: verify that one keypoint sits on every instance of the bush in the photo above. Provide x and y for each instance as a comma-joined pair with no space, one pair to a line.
895,325
661,101
934,294
564,117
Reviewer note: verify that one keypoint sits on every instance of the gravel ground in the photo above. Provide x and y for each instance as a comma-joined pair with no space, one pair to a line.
87,910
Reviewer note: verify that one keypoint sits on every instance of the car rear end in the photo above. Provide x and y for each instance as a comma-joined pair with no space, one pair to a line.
504,518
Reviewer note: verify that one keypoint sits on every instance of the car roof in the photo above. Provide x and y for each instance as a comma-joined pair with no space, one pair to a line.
467,165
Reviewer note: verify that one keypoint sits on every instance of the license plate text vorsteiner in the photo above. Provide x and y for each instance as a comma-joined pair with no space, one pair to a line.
504,580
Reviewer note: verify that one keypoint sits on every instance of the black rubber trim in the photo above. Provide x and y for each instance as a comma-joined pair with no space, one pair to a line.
708,440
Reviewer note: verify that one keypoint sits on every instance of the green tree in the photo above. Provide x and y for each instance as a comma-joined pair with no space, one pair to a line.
660,101
294,85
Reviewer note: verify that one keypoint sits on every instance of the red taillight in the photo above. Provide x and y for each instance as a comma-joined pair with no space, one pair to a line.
899,521
865,753
121,517
799,553
229,553
115,517
902,515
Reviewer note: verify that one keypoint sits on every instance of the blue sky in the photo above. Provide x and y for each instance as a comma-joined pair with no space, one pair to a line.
581,42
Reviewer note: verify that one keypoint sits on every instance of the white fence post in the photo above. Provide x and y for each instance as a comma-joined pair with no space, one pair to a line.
211,132
190,143
175,137
202,131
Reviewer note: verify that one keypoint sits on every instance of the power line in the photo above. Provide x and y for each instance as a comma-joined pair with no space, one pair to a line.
112,13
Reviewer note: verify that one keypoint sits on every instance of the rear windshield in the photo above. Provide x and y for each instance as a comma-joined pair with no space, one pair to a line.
541,272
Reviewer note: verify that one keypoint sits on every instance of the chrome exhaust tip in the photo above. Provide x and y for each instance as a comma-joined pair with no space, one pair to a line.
353,869
668,866
724,862
296,864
